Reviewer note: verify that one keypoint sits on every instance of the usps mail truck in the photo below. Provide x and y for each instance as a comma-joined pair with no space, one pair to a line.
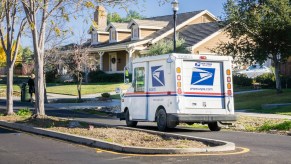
179,88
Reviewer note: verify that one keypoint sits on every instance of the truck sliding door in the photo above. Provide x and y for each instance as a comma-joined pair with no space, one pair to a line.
139,97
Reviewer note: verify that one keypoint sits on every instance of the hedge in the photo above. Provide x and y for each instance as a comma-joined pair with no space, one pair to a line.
102,77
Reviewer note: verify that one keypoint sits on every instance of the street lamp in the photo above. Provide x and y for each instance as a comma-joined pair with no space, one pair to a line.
175,7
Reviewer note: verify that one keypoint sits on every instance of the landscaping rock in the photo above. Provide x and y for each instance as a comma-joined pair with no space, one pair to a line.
239,127
289,133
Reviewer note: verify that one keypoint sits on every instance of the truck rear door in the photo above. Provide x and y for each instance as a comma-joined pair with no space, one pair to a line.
203,86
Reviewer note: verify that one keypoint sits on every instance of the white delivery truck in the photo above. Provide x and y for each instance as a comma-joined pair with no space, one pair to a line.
179,88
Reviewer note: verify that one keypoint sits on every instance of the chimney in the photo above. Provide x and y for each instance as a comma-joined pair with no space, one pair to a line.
100,17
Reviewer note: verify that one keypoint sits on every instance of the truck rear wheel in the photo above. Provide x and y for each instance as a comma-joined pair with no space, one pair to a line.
162,120
127,120
213,126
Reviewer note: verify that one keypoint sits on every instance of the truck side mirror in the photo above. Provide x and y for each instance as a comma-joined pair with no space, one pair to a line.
126,75
118,90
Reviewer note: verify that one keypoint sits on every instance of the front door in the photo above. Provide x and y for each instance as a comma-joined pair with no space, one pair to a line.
112,61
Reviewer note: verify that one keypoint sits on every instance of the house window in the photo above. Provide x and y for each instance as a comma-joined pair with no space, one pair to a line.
135,32
139,79
112,35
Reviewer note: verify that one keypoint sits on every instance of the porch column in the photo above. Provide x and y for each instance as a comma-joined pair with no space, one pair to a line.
101,59
130,52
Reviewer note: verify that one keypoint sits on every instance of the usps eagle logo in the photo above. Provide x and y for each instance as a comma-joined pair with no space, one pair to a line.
202,76
158,77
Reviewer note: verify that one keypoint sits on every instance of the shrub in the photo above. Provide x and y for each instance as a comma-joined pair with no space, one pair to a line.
286,82
286,125
165,46
100,76
105,95
52,76
24,112
267,79
16,79
242,80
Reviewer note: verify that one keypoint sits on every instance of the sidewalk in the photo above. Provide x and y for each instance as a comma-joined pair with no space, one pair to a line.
263,115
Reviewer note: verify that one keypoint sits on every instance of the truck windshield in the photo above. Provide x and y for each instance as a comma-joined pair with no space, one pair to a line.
139,79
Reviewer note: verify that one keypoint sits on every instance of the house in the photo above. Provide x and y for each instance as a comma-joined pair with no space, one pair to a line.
115,45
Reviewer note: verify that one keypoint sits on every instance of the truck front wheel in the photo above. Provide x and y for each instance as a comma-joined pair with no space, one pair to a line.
127,120
213,126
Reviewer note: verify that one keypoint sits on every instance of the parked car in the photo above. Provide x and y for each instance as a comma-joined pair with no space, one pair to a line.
255,70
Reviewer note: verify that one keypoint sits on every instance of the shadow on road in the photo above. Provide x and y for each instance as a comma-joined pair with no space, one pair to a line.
6,131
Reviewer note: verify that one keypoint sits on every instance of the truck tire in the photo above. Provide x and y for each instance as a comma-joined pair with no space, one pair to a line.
162,120
127,120
213,126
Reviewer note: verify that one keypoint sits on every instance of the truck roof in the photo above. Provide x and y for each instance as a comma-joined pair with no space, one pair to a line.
183,56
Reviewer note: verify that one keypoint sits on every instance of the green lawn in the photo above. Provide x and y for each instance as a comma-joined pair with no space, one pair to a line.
3,87
253,101
71,89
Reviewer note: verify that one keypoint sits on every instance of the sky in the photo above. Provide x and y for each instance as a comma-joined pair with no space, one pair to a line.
147,8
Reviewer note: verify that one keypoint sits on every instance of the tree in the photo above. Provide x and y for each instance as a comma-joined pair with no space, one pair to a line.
12,25
27,55
165,46
115,17
133,15
259,30
38,14
77,61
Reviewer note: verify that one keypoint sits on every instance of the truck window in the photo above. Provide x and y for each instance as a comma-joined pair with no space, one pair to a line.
139,77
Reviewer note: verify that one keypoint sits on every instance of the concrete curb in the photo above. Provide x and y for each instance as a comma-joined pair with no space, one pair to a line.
220,145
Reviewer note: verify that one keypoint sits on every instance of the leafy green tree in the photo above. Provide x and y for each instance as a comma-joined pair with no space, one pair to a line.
133,15
115,17
27,55
165,46
259,30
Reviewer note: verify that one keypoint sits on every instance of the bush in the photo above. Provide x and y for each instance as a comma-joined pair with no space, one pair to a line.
16,79
52,76
267,79
105,95
286,82
286,125
242,80
24,112
100,76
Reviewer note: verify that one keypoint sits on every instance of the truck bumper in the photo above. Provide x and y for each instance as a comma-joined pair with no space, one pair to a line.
179,118
121,116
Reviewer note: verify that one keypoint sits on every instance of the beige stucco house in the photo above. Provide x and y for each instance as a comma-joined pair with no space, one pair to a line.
115,45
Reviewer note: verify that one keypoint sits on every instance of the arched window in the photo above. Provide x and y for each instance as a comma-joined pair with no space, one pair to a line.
135,32
112,35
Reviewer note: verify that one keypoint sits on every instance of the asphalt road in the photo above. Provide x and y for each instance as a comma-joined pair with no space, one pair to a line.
18,147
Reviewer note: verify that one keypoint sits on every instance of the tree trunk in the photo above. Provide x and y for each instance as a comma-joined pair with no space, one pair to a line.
79,79
39,87
39,96
45,93
277,75
9,91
